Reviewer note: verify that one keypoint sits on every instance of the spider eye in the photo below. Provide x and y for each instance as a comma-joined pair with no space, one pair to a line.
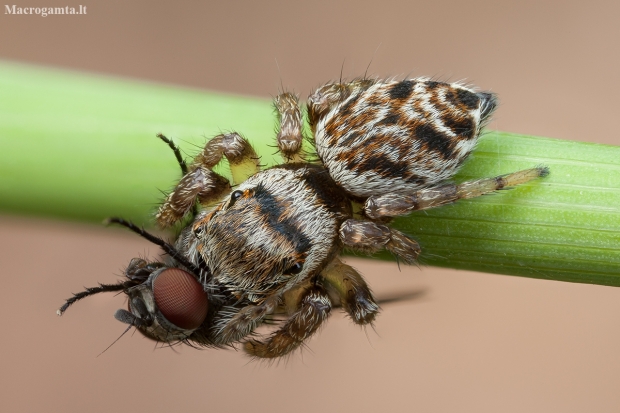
234,196
199,231
295,268
180,298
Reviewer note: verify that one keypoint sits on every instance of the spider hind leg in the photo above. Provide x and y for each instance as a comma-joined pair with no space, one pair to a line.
397,204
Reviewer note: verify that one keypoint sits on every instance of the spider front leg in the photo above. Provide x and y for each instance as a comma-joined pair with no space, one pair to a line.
290,136
395,204
201,184
355,295
240,154
241,323
370,237
313,310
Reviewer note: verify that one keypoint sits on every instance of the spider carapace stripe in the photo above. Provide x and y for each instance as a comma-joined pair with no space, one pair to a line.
270,243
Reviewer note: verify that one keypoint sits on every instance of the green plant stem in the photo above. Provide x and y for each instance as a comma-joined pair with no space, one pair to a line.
83,147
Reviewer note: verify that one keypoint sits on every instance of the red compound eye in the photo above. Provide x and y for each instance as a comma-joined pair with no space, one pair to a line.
180,298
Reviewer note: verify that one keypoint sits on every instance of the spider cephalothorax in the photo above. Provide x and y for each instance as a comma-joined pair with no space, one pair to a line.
270,242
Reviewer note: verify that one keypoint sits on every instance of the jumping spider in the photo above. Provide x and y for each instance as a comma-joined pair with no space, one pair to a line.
271,240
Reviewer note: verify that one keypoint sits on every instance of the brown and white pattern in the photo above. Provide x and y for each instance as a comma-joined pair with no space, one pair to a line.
400,136
270,242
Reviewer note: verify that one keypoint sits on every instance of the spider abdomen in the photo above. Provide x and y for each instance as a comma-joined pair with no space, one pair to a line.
401,136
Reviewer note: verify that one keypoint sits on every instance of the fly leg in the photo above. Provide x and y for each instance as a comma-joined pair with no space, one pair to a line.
177,152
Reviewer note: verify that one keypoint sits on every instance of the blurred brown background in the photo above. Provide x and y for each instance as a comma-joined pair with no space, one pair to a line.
470,342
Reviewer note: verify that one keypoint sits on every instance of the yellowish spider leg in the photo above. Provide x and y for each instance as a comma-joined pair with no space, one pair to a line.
202,184
355,295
